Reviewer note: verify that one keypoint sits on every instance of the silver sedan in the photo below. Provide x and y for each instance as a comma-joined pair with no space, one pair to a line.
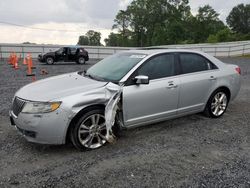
125,90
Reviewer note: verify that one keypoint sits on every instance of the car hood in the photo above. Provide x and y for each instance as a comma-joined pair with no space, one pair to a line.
58,87
49,53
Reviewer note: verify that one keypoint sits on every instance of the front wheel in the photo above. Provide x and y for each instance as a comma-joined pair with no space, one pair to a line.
90,130
49,60
217,104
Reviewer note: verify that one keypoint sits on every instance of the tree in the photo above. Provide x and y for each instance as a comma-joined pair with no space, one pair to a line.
122,22
223,35
91,38
83,40
147,15
207,23
137,11
113,40
239,19
94,38
212,39
159,22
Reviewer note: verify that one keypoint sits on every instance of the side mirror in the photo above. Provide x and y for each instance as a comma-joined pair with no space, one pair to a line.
141,79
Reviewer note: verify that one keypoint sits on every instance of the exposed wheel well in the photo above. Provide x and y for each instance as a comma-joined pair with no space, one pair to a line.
227,91
224,88
78,115
49,57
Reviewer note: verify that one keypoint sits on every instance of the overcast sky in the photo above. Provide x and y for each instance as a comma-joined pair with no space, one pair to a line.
73,18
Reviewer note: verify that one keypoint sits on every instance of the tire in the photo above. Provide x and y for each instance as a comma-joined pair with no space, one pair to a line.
50,61
217,104
90,130
81,60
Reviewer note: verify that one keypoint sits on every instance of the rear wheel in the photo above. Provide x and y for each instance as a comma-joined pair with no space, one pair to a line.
81,60
217,104
90,130
49,60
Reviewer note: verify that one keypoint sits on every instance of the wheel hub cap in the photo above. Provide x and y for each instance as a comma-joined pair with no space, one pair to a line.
92,132
219,104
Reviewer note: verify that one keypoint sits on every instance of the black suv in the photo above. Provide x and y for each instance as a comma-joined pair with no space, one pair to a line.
67,54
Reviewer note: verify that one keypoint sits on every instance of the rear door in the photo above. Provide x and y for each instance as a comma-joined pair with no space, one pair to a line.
197,78
156,100
66,53
72,54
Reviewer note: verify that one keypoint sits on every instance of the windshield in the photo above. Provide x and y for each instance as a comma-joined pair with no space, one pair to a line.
59,51
115,67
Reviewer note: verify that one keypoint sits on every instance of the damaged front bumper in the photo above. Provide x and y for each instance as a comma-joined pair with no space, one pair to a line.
46,128
52,127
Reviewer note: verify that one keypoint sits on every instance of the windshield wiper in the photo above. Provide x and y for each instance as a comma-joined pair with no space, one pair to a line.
94,77
82,73
89,75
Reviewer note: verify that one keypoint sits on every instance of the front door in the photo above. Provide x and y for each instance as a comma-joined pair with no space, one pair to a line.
157,100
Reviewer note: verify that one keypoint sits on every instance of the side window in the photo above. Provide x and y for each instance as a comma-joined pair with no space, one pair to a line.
73,51
194,63
158,67
65,51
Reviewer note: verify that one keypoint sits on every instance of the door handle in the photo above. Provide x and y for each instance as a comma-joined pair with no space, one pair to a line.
171,85
212,78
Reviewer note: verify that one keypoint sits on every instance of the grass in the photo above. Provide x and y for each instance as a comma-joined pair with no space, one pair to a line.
246,55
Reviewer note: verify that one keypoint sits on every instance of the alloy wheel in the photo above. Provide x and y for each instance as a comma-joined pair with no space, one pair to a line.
50,61
92,131
219,104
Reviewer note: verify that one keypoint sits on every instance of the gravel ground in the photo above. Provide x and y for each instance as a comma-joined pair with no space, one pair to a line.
192,151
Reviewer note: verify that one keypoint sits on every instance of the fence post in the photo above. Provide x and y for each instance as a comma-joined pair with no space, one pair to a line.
23,52
1,55
98,53
243,52
229,50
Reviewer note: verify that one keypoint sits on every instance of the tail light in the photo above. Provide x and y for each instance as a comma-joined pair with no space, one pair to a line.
238,70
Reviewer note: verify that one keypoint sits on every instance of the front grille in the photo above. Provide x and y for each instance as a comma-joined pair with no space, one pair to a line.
17,105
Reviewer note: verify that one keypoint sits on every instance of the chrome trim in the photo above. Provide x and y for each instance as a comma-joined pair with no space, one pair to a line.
17,105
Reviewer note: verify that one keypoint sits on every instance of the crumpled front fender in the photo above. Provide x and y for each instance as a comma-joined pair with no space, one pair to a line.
109,96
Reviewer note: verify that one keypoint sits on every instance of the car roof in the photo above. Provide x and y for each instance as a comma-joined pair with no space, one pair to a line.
150,51
72,46
154,51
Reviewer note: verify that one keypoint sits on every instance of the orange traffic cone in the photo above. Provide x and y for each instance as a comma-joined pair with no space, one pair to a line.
9,60
29,68
16,62
14,58
24,61
32,66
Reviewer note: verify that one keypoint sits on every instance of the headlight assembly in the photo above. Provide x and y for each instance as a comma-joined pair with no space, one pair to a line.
40,107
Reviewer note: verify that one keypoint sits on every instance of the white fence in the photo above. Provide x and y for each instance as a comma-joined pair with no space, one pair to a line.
96,52
226,49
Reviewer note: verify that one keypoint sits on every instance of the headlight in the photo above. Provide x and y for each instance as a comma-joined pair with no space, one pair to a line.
40,107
